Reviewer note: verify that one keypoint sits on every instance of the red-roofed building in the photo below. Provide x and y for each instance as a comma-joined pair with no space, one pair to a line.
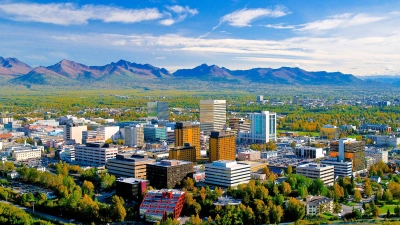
158,204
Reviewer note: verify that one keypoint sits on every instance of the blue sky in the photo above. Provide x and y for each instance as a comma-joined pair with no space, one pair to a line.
357,37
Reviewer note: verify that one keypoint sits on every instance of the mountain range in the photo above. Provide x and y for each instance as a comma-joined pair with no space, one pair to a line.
68,72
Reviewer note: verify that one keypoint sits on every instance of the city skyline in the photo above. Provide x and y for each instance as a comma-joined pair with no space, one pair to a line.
359,38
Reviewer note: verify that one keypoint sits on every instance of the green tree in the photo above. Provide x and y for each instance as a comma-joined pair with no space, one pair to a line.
357,196
289,170
397,210
387,196
118,209
295,210
88,188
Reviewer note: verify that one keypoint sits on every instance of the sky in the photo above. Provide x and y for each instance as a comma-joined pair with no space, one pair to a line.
354,37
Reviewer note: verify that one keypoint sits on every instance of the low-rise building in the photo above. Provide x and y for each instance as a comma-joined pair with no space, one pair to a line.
385,140
129,165
318,204
258,176
269,154
28,153
157,205
130,188
186,153
227,173
95,154
314,171
249,155
341,168
378,155
308,152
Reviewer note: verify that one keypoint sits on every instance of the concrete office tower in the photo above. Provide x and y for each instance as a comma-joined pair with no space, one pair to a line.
129,165
187,132
74,132
222,146
134,136
95,154
212,115
225,173
314,171
159,110
349,148
260,98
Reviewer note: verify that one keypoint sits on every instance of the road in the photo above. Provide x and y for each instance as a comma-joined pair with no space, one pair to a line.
44,215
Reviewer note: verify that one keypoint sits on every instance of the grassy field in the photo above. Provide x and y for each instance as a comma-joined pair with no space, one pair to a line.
386,207
301,133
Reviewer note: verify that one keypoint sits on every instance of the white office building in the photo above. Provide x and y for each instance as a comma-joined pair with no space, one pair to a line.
24,154
212,115
308,152
74,132
225,173
262,128
378,155
95,154
314,171
341,168
134,135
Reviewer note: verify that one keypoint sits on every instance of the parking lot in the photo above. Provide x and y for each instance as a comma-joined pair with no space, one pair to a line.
22,188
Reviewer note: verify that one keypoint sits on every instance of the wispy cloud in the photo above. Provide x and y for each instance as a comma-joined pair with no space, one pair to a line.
340,21
279,26
243,17
181,14
68,13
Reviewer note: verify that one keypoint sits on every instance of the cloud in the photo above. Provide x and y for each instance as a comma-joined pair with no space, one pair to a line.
243,17
340,21
280,26
182,10
68,13
181,14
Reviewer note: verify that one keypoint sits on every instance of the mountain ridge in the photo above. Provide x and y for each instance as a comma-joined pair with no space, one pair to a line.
68,72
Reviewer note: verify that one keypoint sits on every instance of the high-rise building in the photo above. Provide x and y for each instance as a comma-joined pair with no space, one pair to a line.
130,188
314,171
74,132
167,173
159,110
262,128
134,136
186,153
225,173
212,115
129,165
349,148
260,98
222,146
186,132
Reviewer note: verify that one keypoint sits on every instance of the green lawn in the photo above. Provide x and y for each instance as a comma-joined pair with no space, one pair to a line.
386,207
349,203
301,133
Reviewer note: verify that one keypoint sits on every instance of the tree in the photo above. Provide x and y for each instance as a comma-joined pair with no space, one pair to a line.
289,170
285,188
295,210
109,141
387,196
397,210
275,214
302,190
388,214
107,181
188,183
336,207
88,188
117,209
375,211
368,189
357,196
293,144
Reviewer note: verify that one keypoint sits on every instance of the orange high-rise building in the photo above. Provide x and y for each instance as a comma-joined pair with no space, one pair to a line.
188,133
222,146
